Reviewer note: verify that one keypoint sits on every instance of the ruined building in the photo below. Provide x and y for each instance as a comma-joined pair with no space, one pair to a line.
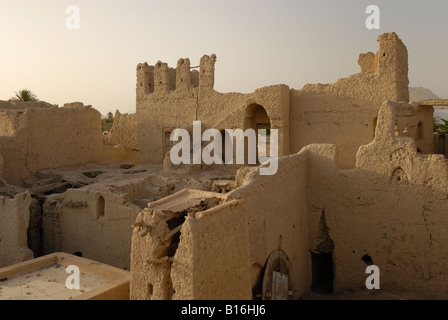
357,184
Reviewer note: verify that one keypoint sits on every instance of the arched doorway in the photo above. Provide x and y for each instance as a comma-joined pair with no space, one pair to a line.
257,118
278,278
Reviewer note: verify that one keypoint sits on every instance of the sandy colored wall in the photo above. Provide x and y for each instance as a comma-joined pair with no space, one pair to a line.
391,207
62,137
14,218
326,118
13,150
276,213
7,124
170,106
344,113
123,131
212,261
48,137
222,251
78,221
160,113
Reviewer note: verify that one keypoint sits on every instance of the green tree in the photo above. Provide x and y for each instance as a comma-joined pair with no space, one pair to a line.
440,127
108,122
25,95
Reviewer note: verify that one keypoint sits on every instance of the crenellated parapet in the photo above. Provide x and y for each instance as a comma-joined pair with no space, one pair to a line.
161,79
207,72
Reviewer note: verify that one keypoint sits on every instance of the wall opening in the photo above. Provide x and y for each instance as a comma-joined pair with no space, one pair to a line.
257,272
278,278
322,266
149,291
406,129
419,131
367,259
257,118
100,205
174,224
322,272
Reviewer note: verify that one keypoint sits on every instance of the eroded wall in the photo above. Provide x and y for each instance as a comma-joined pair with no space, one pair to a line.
165,103
123,131
223,249
45,137
341,113
277,217
212,260
92,220
344,113
391,208
14,220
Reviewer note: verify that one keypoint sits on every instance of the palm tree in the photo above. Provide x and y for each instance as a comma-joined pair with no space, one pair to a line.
25,95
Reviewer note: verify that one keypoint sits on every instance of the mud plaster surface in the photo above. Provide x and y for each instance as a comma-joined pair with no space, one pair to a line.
47,284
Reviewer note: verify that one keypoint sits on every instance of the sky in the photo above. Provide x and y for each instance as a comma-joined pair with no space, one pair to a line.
257,43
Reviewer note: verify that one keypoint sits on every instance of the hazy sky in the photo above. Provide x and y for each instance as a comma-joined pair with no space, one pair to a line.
257,43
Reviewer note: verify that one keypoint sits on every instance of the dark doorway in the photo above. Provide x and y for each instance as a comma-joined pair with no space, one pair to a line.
322,271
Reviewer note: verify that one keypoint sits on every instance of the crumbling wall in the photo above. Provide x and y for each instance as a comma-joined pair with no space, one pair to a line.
14,217
388,211
124,131
188,244
344,113
171,105
7,124
368,62
74,132
415,121
45,137
14,153
223,248
276,215
213,253
92,220
327,118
